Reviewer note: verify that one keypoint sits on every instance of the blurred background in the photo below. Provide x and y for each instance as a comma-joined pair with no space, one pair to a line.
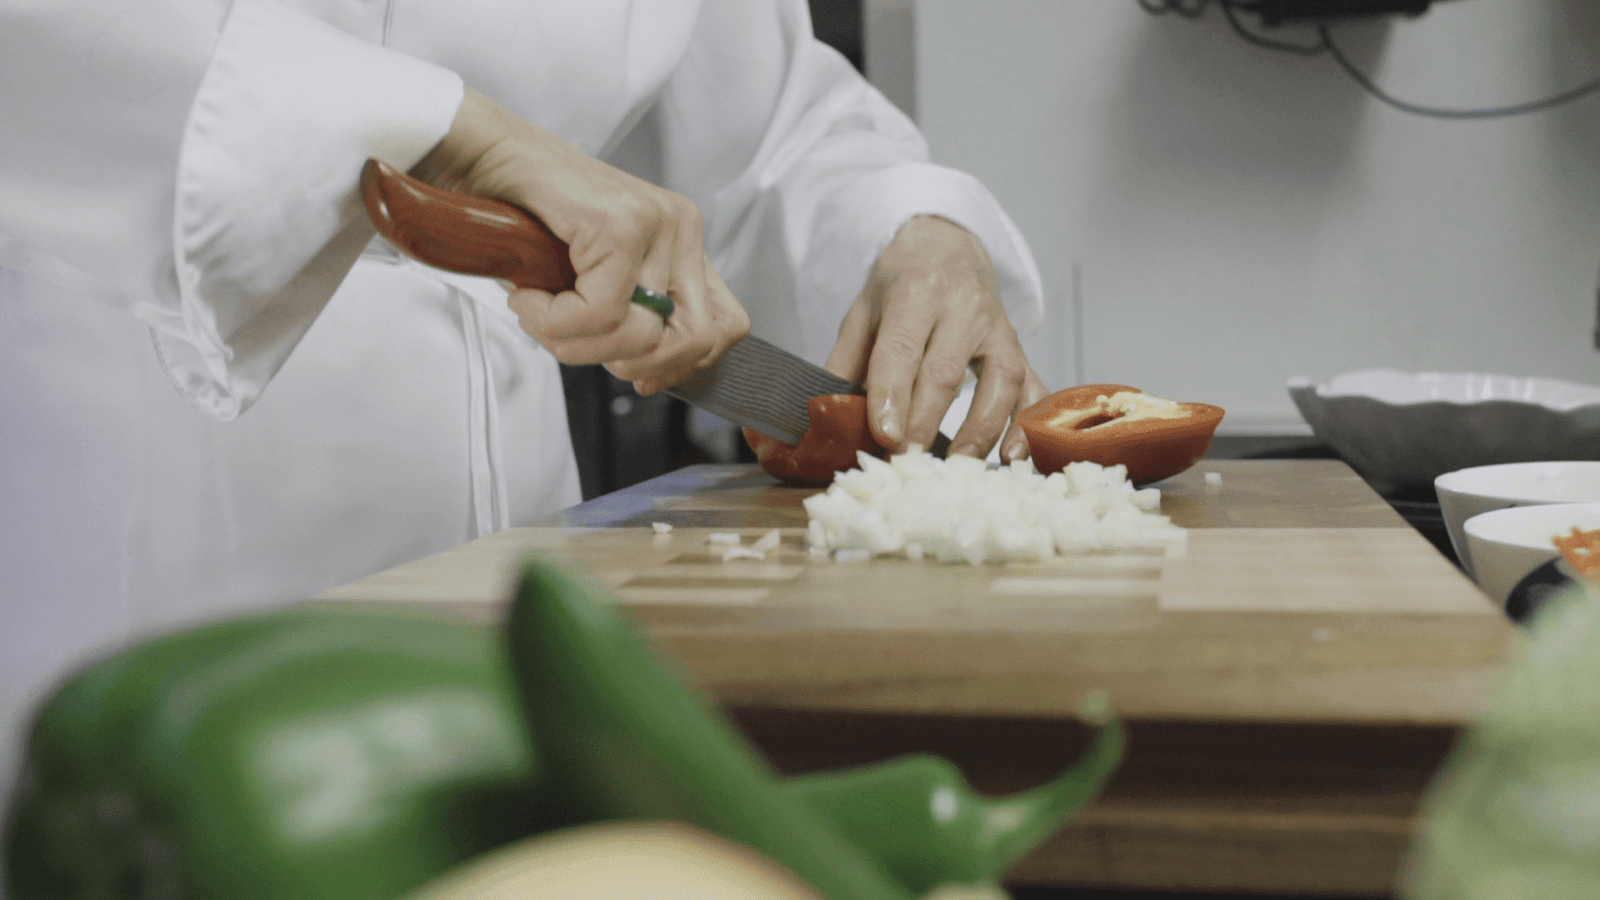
1211,216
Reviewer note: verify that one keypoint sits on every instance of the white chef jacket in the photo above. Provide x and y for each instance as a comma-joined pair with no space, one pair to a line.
219,392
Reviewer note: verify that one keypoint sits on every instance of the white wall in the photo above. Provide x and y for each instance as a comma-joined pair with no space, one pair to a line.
889,50
1211,218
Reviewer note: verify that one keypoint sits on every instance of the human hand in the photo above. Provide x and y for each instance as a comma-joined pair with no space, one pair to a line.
621,231
930,309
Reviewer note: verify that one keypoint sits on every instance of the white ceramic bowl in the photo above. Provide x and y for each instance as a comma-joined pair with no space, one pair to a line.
1507,544
1401,430
1467,492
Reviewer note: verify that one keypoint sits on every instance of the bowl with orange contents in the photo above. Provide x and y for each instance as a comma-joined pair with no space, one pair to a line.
1507,545
1465,493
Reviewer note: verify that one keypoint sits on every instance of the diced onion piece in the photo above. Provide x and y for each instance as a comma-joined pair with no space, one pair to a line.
959,510
769,541
726,538
661,527
733,553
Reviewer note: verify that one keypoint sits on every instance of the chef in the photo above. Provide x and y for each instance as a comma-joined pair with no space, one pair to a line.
218,390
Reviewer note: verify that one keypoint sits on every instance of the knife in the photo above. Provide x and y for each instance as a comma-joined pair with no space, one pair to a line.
754,384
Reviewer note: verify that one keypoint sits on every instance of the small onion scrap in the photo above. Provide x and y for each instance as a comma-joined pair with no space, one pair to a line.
960,510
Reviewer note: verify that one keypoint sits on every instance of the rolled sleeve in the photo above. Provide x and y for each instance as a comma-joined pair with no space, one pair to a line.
266,220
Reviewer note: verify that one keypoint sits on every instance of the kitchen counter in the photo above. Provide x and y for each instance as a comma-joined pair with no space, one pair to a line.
1292,678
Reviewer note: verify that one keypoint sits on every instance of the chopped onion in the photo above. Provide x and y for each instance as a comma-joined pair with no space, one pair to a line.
725,538
769,541
960,510
661,527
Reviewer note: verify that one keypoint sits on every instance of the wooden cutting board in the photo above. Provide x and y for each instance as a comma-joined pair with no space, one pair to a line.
1300,595
1292,677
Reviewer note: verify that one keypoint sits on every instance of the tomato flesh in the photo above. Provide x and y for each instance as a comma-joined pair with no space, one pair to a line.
838,429
1072,425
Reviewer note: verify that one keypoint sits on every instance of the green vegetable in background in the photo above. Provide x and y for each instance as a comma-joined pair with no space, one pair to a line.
1516,811
358,753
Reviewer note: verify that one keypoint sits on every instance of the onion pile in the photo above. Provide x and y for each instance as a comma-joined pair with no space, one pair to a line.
958,509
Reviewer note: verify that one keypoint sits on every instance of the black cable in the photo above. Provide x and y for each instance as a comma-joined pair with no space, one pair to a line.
1325,44
1515,109
1263,41
1194,10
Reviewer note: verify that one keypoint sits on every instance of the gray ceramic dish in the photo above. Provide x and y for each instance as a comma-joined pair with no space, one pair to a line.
1401,430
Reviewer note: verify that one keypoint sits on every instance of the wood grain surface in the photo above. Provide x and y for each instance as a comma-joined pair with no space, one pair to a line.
1292,676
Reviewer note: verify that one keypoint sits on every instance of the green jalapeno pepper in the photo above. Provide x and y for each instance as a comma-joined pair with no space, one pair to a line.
631,741
918,817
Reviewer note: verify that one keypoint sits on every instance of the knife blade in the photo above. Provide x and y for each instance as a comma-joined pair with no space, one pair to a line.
762,387
754,384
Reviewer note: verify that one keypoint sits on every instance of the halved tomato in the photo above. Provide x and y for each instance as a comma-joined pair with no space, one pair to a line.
838,430
1114,424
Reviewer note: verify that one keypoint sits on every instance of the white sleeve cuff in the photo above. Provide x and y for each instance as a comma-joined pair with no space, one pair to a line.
855,226
267,221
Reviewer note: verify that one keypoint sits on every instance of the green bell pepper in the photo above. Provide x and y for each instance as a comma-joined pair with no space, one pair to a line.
306,754
358,753
73,830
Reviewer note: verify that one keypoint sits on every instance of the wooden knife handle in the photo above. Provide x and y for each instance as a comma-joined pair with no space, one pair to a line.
464,233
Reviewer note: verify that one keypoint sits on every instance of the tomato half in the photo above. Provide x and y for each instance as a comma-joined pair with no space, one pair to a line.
838,430
1154,437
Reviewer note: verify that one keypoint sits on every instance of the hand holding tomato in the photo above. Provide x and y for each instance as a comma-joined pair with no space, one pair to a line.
930,309
838,429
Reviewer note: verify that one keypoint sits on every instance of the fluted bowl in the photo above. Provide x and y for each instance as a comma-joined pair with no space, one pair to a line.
1401,430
